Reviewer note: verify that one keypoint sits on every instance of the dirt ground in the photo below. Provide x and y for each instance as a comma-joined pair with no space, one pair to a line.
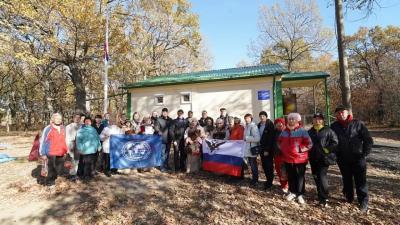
204,198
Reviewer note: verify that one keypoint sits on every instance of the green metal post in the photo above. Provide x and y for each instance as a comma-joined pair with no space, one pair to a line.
129,106
327,108
278,98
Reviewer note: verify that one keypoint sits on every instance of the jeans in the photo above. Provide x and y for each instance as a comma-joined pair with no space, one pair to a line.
254,168
165,155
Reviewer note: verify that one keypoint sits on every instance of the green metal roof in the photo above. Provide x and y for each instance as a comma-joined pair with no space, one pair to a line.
304,76
212,75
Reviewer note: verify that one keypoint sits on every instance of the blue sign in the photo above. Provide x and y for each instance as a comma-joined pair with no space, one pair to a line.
264,95
135,151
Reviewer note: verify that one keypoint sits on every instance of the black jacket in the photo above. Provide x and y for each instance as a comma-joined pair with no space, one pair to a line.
324,138
268,137
178,128
202,121
355,141
162,127
98,129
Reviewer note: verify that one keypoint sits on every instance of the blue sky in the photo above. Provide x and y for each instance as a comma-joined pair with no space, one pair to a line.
228,26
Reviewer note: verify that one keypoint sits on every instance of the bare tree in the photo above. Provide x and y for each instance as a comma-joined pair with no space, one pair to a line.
290,31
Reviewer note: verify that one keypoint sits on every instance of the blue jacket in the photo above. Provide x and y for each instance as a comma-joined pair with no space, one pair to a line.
87,140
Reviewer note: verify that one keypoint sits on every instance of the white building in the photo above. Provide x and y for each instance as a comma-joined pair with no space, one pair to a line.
239,90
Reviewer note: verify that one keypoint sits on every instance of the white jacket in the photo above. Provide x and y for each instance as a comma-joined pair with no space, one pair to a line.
252,137
106,134
70,135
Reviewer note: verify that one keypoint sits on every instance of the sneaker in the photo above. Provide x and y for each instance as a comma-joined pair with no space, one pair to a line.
364,209
301,200
290,197
323,203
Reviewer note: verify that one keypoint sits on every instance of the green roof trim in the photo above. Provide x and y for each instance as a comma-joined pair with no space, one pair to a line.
212,75
304,76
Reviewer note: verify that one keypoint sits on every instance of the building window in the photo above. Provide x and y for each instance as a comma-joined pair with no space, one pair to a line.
159,99
186,97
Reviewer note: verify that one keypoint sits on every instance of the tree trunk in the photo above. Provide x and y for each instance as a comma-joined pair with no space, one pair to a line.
79,89
344,75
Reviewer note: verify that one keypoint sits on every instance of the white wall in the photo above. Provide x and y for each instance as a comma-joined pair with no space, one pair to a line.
237,96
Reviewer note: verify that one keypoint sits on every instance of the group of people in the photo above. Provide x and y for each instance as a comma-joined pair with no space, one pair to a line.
285,146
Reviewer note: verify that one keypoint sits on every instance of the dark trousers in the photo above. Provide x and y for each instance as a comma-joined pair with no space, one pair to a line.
319,171
357,171
254,168
87,165
267,163
106,162
166,154
95,160
180,155
296,177
55,167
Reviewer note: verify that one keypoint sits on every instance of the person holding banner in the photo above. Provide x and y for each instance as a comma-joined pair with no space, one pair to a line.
252,138
295,143
105,135
178,130
162,127
87,143
194,136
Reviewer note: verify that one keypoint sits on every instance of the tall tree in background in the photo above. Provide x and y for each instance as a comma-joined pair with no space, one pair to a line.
343,66
291,32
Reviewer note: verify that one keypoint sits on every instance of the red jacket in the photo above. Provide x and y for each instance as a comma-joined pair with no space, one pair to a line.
237,133
291,144
56,140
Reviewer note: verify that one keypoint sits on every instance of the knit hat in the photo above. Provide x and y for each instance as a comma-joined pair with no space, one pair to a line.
295,116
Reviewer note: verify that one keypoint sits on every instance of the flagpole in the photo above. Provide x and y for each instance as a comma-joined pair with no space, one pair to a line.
105,109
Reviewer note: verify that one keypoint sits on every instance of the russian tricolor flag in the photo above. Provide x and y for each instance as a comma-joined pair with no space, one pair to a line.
223,156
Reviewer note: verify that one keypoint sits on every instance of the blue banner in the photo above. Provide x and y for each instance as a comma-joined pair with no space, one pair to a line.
135,151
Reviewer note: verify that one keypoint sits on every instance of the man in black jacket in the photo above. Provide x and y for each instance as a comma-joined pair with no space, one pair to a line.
162,127
204,117
267,133
321,155
178,128
355,144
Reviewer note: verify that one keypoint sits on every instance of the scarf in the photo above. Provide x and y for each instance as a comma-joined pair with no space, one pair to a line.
346,121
